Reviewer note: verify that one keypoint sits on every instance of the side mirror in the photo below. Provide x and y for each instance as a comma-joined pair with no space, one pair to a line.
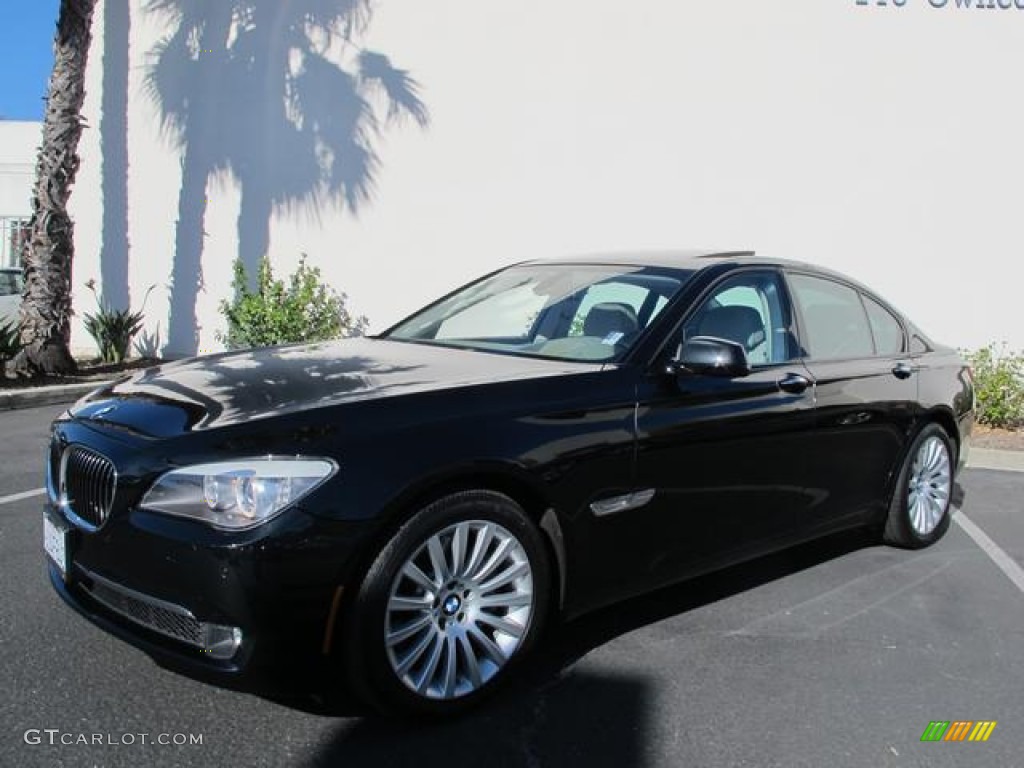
710,356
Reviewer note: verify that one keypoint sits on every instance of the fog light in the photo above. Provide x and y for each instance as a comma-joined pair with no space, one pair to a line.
221,642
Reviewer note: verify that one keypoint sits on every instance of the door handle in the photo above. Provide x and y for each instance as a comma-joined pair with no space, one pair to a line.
794,383
903,370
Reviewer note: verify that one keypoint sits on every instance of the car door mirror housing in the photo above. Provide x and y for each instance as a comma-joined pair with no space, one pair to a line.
710,356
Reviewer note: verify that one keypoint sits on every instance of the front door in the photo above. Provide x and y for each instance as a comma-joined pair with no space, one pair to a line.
723,461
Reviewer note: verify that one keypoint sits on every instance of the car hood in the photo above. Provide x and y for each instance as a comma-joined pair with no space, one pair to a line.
236,387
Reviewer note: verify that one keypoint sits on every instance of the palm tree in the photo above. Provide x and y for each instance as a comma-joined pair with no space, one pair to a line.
185,82
48,256
280,95
305,138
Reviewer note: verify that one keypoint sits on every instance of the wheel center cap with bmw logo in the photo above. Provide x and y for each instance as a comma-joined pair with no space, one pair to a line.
451,605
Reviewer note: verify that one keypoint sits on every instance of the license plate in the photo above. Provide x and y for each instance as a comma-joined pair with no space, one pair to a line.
55,542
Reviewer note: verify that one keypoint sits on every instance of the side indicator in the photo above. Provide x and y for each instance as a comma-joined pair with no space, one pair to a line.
623,503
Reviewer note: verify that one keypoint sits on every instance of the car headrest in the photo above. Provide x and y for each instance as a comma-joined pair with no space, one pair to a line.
740,324
610,317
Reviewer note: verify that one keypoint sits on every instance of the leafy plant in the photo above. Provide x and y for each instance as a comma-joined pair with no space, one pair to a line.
998,386
10,340
302,310
113,329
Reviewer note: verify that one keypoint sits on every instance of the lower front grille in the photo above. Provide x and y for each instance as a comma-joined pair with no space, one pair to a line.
165,618
218,641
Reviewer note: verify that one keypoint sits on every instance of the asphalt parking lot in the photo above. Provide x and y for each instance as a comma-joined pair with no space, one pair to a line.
839,653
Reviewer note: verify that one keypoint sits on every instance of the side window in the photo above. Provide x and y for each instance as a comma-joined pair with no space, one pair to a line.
835,324
886,329
749,309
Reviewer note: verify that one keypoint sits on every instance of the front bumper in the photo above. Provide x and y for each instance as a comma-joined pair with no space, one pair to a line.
256,616
252,609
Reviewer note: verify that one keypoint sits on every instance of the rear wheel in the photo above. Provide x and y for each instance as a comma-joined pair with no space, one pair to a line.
456,596
919,511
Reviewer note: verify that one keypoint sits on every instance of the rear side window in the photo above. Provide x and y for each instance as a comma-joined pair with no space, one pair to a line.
835,323
885,327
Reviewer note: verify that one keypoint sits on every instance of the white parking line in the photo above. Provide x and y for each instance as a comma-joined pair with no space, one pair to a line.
1005,563
21,496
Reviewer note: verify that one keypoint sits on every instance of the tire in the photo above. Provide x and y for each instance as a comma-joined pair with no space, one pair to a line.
425,645
919,511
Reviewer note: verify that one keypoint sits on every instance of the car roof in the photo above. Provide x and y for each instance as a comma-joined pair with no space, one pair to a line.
695,260
688,259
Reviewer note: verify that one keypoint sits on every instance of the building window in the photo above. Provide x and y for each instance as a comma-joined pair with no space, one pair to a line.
13,235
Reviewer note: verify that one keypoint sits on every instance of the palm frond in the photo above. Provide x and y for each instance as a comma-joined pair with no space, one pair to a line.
180,13
401,91
345,18
344,125
167,81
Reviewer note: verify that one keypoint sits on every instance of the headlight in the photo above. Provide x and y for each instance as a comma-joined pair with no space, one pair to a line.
236,494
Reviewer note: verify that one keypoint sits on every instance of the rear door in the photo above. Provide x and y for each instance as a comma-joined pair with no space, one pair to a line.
866,385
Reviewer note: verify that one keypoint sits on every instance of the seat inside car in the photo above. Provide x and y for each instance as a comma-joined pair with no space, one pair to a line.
610,317
740,324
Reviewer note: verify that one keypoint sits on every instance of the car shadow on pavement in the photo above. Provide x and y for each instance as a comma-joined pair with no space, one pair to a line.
553,714
577,719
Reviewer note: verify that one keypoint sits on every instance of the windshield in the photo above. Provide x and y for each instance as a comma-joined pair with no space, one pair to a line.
580,312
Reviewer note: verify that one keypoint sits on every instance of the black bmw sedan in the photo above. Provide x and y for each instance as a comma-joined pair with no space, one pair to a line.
401,516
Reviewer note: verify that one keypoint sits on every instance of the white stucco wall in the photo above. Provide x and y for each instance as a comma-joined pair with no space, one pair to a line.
880,141
19,141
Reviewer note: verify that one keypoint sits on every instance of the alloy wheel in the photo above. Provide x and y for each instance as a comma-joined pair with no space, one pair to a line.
458,609
929,486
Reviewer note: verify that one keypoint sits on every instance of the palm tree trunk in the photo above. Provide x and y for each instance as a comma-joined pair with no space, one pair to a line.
254,214
114,149
46,301
187,272
202,116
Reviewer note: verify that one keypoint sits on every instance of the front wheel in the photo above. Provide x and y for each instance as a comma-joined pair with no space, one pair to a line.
919,511
450,602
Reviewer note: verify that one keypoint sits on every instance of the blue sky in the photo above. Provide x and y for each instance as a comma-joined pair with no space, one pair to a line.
26,56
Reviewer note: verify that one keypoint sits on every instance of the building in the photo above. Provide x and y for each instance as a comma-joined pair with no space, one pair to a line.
878,139
19,142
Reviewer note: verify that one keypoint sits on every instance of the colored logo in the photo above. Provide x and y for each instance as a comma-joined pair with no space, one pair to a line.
959,730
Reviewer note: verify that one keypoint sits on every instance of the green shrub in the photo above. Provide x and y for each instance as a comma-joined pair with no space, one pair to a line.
999,386
10,341
113,329
303,310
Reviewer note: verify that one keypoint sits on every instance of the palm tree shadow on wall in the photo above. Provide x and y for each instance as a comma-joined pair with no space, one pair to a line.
280,96
114,150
